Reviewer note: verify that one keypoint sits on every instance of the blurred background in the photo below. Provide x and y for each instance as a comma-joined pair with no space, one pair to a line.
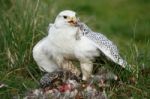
24,22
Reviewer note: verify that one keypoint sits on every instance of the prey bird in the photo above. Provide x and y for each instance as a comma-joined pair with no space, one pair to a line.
69,39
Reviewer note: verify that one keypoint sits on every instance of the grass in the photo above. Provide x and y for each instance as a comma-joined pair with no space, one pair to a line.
24,22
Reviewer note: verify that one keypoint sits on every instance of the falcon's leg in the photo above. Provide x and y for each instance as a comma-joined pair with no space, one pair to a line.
86,69
68,65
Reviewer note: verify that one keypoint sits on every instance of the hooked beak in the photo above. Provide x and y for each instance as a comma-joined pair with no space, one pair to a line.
72,20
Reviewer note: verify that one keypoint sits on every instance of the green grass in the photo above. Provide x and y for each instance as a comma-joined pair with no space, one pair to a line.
24,22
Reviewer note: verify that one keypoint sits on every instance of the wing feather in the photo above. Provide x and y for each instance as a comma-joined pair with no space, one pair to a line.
107,47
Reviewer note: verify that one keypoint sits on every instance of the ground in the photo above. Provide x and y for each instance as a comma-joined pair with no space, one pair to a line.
24,22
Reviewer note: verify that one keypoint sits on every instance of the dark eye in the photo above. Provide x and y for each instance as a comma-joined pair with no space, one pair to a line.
65,17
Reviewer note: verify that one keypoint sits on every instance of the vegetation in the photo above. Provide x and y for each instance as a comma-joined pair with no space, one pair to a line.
24,22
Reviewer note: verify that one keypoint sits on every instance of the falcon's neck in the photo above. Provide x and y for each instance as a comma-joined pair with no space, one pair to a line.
64,32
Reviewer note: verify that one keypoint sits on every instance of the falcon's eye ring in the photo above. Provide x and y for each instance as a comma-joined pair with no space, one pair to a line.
65,17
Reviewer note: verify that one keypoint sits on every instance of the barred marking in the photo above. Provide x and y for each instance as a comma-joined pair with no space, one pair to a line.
103,42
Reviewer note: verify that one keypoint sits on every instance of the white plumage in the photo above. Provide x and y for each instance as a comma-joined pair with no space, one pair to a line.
107,47
61,45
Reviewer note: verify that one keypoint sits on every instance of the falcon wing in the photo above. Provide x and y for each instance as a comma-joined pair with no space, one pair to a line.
103,44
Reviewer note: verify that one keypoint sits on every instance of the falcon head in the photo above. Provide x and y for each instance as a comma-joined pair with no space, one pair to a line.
66,18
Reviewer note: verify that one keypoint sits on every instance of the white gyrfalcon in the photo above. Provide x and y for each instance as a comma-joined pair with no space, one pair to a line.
68,39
